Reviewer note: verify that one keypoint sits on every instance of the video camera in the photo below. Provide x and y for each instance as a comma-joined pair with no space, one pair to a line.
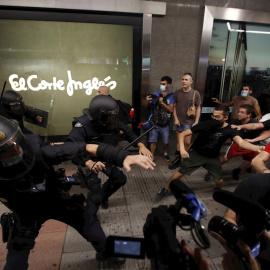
154,97
160,244
251,217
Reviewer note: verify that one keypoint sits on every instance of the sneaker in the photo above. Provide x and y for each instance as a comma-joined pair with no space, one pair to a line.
166,156
162,193
105,204
235,173
207,177
176,163
103,256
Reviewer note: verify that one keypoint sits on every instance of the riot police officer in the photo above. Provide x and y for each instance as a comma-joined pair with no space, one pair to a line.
35,192
13,107
100,123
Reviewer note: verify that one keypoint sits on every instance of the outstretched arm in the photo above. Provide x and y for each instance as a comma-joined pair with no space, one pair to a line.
251,126
230,103
263,136
119,157
246,145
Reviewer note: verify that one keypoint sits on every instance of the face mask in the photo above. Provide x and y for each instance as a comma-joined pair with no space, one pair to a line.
244,93
163,88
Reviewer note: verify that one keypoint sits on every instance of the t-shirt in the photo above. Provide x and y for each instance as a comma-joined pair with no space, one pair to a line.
266,124
211,138
238,101
247,134
182,102
263,119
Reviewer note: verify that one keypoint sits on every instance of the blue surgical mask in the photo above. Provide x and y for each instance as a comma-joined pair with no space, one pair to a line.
244,93
163,88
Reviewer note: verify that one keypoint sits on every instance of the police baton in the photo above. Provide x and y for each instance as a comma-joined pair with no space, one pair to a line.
140,137
3,89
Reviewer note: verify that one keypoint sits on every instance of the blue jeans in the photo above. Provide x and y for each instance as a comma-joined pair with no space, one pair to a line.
164,132
181,127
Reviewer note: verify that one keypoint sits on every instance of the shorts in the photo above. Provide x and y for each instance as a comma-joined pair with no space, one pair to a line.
181,127
164,132
195,161
234,150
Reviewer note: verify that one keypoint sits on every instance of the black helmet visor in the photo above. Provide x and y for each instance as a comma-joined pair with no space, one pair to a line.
17,108
111,119
16,158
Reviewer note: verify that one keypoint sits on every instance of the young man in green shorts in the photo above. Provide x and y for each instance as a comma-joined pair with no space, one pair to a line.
205,150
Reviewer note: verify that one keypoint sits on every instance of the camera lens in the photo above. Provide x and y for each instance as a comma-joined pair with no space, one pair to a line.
223,227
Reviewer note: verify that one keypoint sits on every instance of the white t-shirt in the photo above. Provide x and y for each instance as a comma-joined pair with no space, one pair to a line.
264,118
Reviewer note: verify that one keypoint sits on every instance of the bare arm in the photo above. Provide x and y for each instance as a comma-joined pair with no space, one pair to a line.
251,126
263,136
230,215
230,103
246,145
182,136
257,111
176,120
144,151
258,163
198,115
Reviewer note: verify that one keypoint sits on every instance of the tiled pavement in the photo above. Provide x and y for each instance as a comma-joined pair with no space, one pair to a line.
60,247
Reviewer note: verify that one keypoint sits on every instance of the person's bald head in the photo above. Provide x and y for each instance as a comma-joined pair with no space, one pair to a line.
103,90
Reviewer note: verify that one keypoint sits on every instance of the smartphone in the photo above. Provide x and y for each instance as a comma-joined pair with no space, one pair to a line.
127,247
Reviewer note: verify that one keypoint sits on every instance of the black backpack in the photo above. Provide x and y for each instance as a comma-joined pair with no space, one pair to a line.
160,115
124,112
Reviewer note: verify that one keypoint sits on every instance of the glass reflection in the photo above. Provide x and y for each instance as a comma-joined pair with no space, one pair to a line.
239,54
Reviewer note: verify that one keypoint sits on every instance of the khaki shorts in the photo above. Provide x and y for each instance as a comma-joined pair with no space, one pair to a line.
195,161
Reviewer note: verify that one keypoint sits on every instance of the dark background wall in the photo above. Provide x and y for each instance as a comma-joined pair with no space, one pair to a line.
176,37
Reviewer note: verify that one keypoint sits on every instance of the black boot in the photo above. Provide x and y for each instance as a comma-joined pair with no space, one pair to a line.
235,173
176,163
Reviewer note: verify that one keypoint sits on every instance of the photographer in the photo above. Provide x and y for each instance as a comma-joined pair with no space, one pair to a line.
253,189
231,259
162,107
35,192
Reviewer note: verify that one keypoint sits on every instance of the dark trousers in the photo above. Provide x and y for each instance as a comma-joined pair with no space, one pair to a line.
100,193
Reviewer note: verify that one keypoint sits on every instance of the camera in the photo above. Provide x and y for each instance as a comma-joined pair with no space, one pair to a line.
252,220
128,247
160,243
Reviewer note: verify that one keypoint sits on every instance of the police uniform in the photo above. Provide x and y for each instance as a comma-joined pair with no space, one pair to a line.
85,130
13,107
38,196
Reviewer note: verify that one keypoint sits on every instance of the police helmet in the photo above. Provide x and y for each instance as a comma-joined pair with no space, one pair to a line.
16,155
104,111
13,102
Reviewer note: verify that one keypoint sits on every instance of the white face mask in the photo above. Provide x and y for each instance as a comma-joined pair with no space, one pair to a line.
244,93
163,88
